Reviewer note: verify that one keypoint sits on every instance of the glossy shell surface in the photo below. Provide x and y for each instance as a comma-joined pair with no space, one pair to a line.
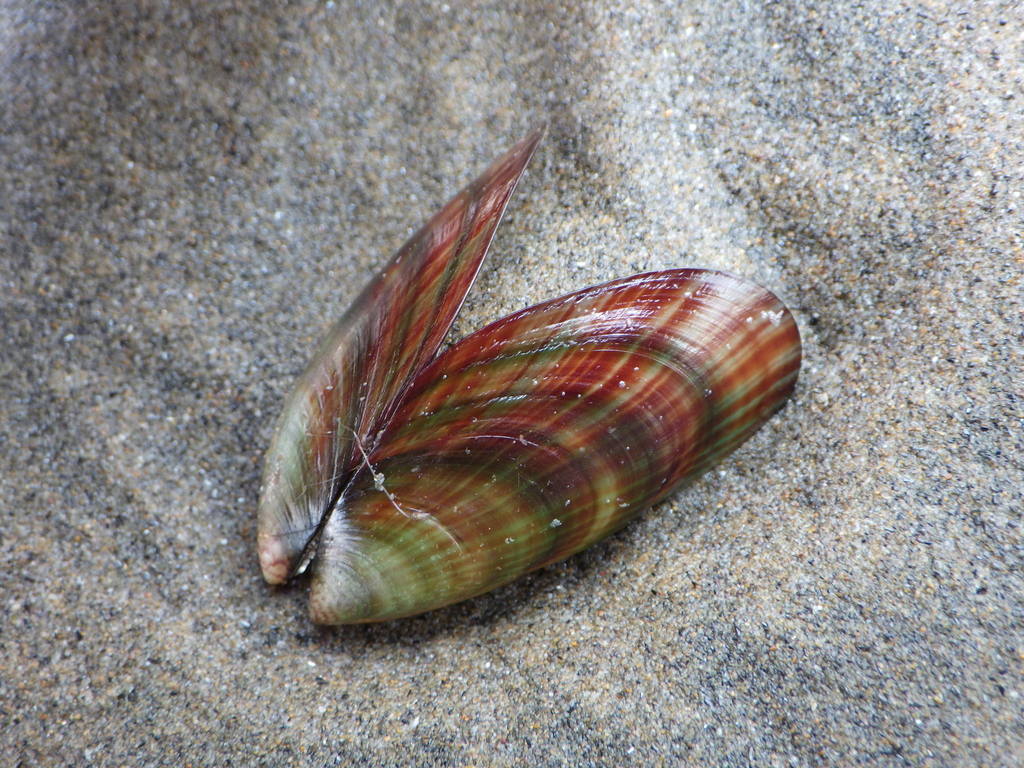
411,480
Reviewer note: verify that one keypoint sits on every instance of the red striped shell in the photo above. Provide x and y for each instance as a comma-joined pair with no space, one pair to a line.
520,445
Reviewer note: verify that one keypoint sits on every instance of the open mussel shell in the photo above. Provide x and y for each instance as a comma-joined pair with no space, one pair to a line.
409,480
546,431
363,365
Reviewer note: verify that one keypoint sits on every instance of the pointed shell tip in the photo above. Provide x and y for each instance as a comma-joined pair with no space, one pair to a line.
273,560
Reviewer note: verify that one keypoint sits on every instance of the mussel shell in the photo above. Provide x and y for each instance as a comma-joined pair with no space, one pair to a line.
363,366
547,430
411,480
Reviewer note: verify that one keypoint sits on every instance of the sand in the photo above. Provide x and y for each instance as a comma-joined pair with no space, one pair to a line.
190,193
